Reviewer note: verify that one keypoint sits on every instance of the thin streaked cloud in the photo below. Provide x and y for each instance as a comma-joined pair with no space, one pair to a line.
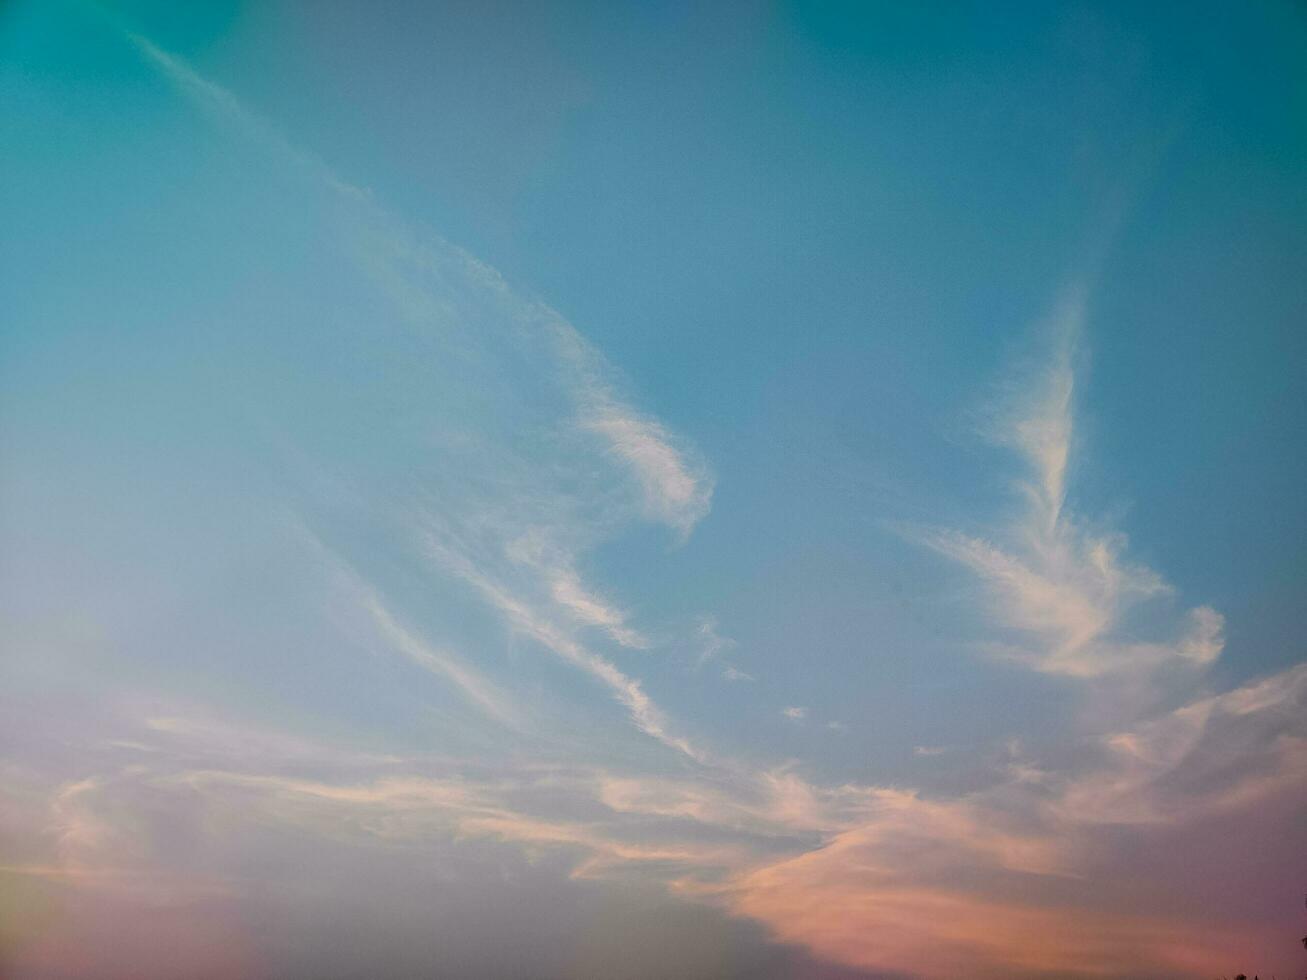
1052,577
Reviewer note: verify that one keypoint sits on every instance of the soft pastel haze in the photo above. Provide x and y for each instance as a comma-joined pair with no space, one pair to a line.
607,491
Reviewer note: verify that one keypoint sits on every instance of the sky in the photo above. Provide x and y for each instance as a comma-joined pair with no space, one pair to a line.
575,491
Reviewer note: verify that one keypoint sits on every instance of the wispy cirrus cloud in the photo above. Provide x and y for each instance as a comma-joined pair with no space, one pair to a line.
833,902
1213,754
1027,878
711,641
348,588
558,459
436,283
565,587
675,484
929,750
1062,587
475,687
1021,878
444,550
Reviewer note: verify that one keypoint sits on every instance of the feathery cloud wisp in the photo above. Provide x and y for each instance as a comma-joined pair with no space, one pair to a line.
433,283
431,279
531,621
1064,587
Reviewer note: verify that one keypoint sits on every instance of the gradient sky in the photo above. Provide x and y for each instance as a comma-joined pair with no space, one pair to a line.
615,491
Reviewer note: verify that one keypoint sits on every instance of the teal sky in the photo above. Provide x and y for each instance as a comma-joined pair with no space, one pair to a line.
613,490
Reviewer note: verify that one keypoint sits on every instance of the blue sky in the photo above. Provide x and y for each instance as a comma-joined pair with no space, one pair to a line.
820,483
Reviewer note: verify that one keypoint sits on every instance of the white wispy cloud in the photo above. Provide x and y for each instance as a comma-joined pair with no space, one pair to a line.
530,620
193,732
675,483
711,641
564,586
435,281
1050,576
1182,765
471,683
432,283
